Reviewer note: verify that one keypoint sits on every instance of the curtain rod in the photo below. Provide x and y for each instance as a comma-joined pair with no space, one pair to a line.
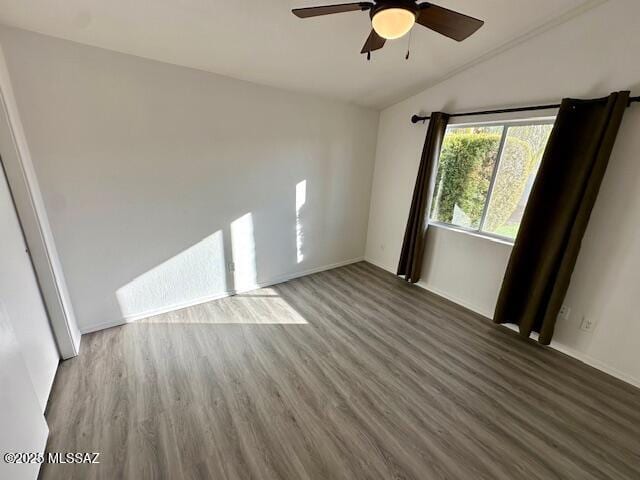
419,118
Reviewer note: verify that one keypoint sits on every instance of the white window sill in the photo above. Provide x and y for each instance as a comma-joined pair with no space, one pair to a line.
483,236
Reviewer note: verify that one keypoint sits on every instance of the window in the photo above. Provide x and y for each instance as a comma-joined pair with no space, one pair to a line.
485,175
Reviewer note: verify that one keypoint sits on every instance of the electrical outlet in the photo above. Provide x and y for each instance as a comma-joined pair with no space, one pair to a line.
564,312
587,324
231,267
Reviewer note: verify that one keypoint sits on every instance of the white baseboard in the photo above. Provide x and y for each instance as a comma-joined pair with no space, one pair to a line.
379,265
580,356
438,292
102,326
584,358
458,301
170,308
597,364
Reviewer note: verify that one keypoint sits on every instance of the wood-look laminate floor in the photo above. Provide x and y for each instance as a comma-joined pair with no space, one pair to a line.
345,374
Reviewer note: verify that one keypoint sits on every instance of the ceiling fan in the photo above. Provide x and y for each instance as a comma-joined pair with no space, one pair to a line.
391,19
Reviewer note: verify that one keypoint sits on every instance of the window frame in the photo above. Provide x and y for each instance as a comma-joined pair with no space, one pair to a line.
506,124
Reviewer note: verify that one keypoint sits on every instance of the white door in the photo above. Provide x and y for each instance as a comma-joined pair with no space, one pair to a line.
28,354
20,294
22,424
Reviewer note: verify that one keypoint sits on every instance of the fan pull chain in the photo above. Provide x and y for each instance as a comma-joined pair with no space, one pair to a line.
409,45
369,55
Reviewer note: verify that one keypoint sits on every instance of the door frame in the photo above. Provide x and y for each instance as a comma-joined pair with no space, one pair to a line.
23,184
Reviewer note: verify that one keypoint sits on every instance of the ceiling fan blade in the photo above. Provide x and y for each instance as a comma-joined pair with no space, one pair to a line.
329,9
374,42
447,22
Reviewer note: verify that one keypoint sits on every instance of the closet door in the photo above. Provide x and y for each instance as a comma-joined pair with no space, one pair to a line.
22,424
28,354
20,294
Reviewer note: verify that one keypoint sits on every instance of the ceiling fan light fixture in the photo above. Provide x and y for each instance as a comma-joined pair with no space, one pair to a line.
392,23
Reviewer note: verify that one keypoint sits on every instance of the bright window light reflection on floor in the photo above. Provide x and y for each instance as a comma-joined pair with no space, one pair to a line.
258,307
301,198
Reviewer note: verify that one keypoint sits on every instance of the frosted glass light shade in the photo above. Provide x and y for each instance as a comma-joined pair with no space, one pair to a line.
392,23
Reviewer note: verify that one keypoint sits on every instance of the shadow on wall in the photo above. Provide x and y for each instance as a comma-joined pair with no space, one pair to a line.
221,264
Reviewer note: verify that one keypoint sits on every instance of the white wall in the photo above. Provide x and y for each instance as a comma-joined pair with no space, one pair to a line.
591,55
155,176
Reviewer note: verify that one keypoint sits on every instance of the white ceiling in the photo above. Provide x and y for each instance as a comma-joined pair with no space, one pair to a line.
261,41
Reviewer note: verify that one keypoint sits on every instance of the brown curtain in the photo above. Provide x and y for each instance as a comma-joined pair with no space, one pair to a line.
557,213
410,264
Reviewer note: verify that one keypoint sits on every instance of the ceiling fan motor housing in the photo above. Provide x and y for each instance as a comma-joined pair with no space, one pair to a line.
409,5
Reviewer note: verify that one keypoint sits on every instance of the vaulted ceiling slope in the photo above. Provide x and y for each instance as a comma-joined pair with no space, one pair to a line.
262,42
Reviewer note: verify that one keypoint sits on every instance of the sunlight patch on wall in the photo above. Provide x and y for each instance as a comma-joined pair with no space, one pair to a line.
243,246
301,198
194,275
